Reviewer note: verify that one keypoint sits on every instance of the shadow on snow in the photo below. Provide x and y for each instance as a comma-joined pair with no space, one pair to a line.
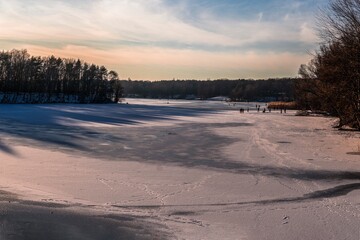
186,145
51,123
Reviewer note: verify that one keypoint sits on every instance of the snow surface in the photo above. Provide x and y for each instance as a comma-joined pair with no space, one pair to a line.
199,168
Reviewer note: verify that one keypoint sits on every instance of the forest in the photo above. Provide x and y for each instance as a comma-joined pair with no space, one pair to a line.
236,90
29,79
330,82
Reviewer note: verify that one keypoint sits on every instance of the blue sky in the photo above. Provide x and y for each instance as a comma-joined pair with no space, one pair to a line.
166,39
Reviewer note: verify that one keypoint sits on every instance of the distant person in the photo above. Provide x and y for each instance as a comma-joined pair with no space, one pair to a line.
284,110
258,109
264,110
280,110
248,109
269,110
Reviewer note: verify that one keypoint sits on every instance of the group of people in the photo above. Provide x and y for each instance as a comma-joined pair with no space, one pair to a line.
258,107
242,110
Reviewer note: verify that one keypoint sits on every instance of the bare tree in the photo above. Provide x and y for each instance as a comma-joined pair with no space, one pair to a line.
334,73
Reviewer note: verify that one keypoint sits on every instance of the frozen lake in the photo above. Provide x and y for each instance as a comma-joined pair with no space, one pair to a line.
159,169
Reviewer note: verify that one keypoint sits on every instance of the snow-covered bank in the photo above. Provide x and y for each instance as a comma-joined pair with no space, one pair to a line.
201,169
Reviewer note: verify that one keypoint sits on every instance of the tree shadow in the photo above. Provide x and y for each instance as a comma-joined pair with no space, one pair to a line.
72,126
8,150
116,114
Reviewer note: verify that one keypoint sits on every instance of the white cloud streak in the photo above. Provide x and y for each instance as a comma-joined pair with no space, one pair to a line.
137,20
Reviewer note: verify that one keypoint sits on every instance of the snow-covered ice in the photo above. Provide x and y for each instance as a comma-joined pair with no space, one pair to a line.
192,169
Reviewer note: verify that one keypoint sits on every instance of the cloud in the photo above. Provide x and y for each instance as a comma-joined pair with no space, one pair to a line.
203,36
135,21
307,33
144,22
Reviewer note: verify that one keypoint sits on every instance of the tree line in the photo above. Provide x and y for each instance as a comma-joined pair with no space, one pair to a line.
331,80
236,90
30,79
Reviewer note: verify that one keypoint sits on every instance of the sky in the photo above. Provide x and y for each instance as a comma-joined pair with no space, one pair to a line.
168,39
